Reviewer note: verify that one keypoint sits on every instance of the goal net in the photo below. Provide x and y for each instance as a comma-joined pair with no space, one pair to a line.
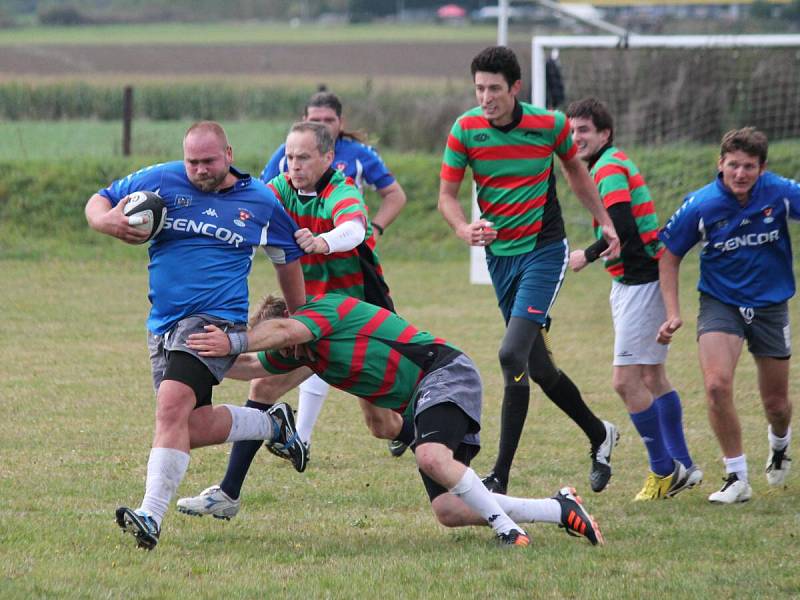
672,98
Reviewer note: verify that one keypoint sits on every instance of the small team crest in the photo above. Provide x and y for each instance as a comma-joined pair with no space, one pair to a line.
341,166
244,215
183,200
768,218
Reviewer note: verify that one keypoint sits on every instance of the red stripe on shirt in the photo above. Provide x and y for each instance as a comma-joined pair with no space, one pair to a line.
537,122
510,152
449,173
455,144
511,181
334,283
318,319
506,209
515,233
643,209
616,197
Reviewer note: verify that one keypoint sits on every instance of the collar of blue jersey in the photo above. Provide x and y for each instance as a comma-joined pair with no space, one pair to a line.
242,180
516,118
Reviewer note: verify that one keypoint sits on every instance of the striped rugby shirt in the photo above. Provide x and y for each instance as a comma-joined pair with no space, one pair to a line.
365,350
513,171
336,202
619,181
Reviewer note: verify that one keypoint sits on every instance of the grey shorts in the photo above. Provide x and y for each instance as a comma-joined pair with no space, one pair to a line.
175,339
458,382
766,329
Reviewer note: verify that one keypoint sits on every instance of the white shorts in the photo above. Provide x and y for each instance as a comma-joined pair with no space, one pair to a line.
637,311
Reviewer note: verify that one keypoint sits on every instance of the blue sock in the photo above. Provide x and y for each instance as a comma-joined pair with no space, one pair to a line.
647,424
670,416
242,455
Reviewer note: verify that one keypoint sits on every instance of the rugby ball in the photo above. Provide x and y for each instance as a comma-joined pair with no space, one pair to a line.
146,211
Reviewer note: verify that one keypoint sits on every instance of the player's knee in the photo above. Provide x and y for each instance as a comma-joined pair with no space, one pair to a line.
777,408
446,511
175,403
719,390
383,425
431,460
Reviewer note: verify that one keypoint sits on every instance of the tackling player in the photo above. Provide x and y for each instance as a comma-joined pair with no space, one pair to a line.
746,279
374,354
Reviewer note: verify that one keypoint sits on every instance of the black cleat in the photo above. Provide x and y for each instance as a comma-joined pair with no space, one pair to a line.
140,525
494,485
600,474
288,445
515,537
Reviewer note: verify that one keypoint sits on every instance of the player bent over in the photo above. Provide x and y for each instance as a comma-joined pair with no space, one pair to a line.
411,372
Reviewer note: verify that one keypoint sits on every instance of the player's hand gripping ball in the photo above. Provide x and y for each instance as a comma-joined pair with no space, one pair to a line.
146,211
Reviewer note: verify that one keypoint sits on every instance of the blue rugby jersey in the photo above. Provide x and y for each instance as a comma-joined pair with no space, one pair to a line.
200,261
356,160
746,253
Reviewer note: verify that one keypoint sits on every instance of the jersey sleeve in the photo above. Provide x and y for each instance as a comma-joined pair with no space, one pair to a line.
147,179
682,231
274,362
348,205
273,166
375,171
321,315
612,183
455,158
278,239
792,195
562,143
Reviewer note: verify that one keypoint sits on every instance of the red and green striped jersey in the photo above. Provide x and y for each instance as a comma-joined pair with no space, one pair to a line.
619,181
513,171
364,350
337,202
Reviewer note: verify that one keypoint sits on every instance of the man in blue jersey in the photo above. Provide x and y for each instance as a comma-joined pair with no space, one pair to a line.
363,165
199,264
746,280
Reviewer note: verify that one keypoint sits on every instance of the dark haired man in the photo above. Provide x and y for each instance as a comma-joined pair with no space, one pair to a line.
374,354
746,279
637,309
361,163
510,147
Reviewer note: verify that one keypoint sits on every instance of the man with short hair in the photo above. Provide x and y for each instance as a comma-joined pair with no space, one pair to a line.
376,355
637,309
746,279
361,163
199,264
337,236
510,147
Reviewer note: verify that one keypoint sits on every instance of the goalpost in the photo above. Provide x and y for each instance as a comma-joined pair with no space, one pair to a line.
670,92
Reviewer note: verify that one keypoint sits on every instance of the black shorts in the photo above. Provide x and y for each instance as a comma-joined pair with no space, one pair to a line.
446,424
190,370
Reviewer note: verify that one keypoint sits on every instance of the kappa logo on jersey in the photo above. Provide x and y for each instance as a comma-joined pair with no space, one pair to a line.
481,137
768,218
244,215
210,212
202,228
744,222
183,200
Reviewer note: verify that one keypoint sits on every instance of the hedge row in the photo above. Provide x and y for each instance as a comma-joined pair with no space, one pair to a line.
41,203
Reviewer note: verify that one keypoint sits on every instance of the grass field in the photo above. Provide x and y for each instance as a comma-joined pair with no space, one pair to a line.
250,33
75,440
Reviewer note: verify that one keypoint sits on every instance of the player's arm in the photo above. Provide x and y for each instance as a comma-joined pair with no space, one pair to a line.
341,238
272,334
247,367
393,199
582,184
292,284
625,225
479,233
109,220
668,269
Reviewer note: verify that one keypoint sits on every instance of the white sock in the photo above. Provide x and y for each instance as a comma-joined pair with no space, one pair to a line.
249,424
165,470
471,490
528,510
779,443
313,392
738,465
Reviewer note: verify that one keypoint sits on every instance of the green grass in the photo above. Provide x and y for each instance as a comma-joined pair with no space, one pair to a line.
248,33
78,423
32,140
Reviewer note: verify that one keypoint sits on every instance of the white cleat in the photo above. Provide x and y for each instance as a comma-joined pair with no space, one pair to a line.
211,501
733,491
778,465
